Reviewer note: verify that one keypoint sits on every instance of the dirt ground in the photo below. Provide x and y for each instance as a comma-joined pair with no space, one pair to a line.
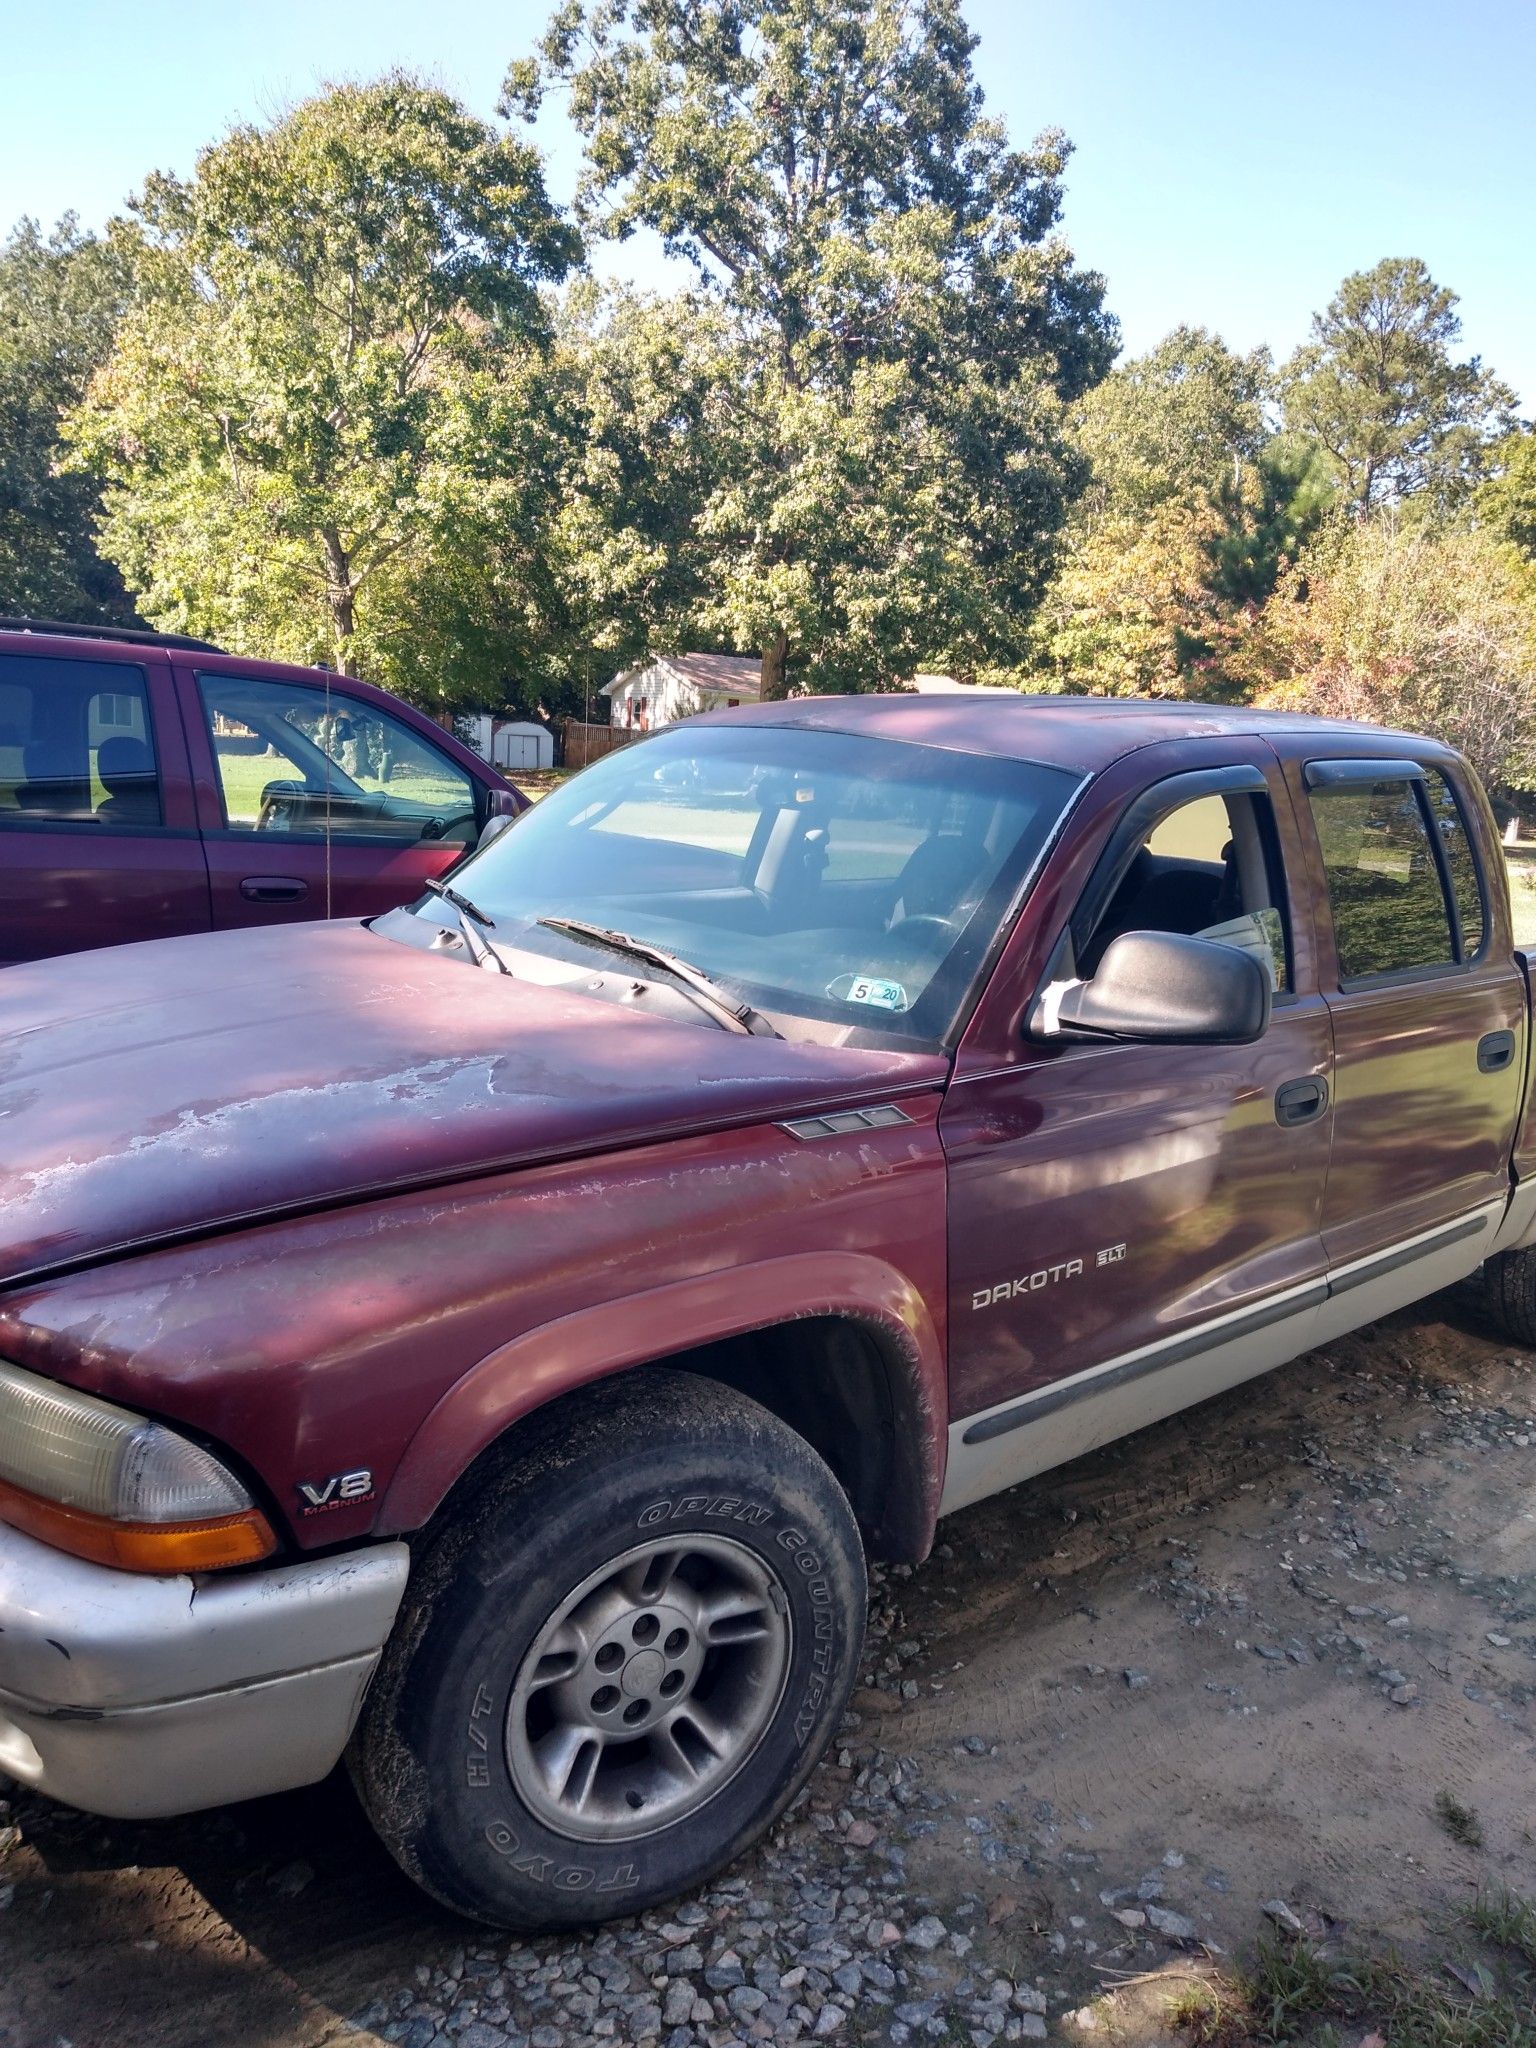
1233,1660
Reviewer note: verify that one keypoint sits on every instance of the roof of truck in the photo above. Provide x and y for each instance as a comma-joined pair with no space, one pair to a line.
1086,733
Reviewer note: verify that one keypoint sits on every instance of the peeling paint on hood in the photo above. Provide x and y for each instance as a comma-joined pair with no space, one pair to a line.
152,1091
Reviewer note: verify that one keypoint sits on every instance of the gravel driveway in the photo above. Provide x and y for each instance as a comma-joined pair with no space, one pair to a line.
1226,1666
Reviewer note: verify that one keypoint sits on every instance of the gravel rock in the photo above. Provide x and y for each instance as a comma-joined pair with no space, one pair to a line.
1173,1926
928,1932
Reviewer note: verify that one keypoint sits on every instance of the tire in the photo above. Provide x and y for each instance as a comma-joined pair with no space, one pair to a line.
1509,1290
482,1758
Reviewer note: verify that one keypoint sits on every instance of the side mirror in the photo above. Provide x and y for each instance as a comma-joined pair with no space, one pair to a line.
1162,986
492,830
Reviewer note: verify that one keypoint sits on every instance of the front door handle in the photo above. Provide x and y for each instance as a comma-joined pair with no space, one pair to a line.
273,889
1495,1051
1299,1102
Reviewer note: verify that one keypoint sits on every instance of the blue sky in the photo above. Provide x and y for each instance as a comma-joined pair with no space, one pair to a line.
1233,162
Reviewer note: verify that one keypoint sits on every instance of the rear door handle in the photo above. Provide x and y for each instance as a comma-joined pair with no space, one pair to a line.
1495,1052
273,889
1299,1102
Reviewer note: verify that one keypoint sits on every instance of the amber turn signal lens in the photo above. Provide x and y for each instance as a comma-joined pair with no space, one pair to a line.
245,1538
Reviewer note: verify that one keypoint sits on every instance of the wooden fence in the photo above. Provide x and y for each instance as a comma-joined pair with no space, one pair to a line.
583,743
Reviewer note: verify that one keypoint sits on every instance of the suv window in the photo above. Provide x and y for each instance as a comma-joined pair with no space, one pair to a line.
1460,861
293,758
1209,869
76,744
1384,887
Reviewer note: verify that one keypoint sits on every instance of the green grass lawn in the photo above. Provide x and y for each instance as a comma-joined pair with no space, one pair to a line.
1521,863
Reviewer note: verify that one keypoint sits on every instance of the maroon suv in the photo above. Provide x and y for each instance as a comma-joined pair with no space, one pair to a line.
151,785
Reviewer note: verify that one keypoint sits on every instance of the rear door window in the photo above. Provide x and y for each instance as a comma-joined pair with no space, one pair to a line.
1390,911
77,745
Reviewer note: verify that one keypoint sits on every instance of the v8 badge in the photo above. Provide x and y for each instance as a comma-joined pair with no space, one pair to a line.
341,1490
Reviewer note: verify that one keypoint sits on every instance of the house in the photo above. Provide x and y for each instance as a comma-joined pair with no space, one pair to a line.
673,686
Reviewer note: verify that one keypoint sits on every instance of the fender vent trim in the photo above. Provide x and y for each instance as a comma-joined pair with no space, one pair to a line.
842,1123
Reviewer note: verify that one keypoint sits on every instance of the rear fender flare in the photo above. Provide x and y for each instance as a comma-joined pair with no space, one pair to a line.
641,1329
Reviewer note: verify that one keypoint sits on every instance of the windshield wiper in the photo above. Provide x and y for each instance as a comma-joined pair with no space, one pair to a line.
709,996
470,915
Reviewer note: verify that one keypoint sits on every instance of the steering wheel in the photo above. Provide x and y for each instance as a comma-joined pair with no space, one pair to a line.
280,798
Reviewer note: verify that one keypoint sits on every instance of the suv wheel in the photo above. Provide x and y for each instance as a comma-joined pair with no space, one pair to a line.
619,1659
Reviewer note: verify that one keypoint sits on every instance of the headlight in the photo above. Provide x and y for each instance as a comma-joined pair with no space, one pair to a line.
105,1484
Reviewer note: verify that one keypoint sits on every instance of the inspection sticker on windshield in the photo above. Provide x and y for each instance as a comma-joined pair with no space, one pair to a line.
869,989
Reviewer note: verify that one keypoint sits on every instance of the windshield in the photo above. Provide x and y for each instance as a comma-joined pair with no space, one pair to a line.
813,874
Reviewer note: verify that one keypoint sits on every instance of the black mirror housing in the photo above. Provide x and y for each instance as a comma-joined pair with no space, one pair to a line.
1163,986
492,829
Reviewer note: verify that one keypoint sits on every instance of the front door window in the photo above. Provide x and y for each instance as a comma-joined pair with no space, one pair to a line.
294,759
1207,869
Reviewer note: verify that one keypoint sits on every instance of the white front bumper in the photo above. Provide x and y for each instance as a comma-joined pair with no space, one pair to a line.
138,1696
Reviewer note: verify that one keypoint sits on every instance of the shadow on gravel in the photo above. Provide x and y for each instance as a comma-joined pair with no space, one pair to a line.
224,1925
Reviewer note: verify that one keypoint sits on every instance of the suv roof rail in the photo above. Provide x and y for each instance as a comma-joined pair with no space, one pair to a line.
138,636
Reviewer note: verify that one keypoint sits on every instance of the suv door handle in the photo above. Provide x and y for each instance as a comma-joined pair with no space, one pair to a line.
1298,1102
273,889
1495,1051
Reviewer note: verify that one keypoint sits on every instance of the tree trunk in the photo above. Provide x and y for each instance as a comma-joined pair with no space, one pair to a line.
775,682
339,593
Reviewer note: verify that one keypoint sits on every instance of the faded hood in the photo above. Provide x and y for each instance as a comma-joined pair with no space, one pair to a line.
159,1089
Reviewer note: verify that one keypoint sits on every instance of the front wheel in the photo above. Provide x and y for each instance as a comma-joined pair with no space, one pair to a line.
619,1659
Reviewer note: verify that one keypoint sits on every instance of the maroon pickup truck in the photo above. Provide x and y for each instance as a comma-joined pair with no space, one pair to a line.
487,1342
151,785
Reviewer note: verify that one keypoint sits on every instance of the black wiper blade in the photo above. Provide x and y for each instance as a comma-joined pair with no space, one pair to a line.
459,901
735,1016
481,951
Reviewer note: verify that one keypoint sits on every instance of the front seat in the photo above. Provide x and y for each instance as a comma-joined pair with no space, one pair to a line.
126,770
942,876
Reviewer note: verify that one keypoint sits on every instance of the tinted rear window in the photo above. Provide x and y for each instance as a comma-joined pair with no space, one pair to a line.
76,744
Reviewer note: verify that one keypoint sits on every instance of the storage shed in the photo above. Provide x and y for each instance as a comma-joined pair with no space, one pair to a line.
509,744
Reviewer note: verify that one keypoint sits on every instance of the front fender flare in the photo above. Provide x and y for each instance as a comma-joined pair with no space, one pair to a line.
640,1329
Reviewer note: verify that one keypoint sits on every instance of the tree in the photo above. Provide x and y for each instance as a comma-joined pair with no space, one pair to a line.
644,385
1174,424
1270,509
1193,507
1411,625
1131,612
901,326
321,409
60,299
1379,388
1506,504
